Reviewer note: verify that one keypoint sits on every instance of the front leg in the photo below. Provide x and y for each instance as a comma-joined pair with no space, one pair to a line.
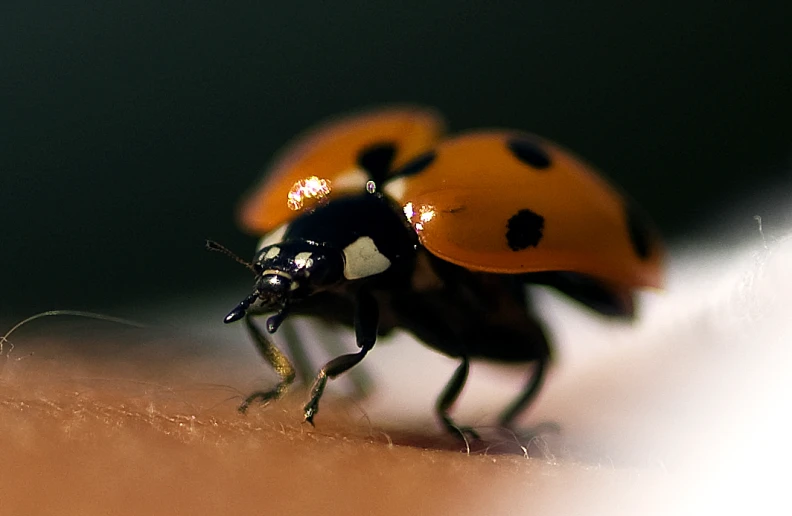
366,323
277,359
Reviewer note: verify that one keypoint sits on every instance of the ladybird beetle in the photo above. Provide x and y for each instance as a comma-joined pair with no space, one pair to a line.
378,221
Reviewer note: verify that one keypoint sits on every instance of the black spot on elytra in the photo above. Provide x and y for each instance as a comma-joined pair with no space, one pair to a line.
529,152
416,165
640,230
377,159
524,230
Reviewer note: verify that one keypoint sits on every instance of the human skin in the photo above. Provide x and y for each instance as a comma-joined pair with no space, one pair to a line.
147,430
684,412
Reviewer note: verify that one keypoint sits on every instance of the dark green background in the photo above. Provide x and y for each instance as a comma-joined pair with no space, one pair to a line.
128,130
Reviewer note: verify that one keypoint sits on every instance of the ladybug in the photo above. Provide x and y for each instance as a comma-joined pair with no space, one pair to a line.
378,221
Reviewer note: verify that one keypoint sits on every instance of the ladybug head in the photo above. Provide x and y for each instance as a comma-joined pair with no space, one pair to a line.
288,272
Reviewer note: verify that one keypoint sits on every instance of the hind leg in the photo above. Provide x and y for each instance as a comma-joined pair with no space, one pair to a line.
528,395
449,395
497,327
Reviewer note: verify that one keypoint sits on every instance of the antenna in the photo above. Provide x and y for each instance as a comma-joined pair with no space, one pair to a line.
214,246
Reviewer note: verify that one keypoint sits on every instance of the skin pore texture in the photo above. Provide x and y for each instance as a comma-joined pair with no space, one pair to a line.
680,413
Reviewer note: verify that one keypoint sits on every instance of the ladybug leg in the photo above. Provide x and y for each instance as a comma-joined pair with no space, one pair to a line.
366,323
277,359
330,314
529,393
449,395
296,350
360,380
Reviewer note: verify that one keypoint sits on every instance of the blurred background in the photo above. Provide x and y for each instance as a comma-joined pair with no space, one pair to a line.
129,131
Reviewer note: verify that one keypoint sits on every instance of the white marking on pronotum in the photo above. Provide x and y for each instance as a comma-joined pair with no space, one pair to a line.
273,237
353,179
303,260
362,259
272,253
395,189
